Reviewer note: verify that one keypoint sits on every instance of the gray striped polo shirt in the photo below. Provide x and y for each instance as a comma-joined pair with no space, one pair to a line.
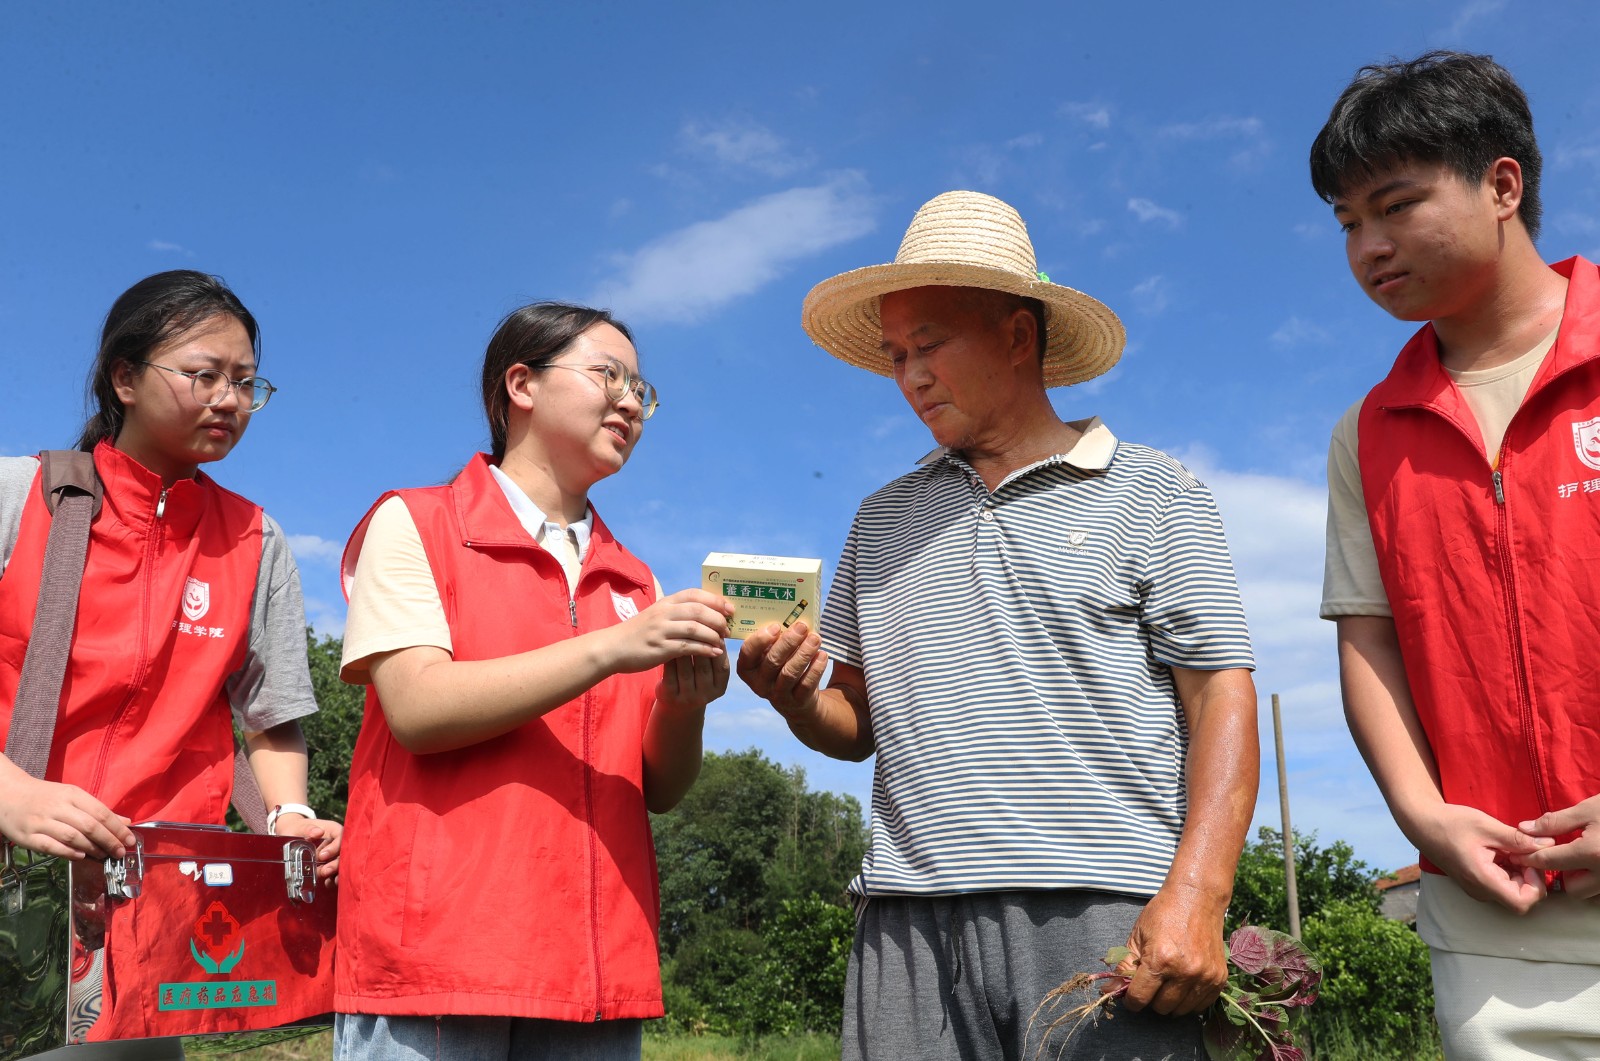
1017,646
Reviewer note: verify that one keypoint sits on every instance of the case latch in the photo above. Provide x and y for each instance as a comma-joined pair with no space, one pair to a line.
125,875
300,870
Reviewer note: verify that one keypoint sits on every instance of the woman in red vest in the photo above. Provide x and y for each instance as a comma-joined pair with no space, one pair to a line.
190,612
530,696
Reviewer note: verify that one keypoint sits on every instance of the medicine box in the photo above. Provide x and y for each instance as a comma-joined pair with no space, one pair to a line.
764,589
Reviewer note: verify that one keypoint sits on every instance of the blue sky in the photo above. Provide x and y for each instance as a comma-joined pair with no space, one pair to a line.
381,182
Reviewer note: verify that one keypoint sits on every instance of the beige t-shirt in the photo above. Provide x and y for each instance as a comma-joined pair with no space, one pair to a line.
1560,929
1351,584
394,602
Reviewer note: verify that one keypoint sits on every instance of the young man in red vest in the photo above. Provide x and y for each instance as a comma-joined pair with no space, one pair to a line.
1463,564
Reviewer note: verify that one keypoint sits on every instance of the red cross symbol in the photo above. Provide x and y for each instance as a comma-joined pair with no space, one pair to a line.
216,928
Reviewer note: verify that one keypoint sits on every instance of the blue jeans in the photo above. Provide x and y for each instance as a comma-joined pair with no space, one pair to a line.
365,1037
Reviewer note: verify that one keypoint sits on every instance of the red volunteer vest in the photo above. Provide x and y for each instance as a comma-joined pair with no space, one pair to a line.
163,620
515,877
1494,574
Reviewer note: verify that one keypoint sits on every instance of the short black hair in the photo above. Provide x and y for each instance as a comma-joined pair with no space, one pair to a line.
1462,111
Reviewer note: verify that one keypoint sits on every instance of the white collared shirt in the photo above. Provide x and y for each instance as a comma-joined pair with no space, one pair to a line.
567,544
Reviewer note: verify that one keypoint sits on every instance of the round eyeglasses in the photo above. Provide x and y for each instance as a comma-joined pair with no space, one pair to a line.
210,387
618,383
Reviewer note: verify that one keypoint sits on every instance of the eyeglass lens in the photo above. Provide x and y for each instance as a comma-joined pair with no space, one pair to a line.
619,381
211,386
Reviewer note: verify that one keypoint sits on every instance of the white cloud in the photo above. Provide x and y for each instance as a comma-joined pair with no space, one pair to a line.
1100,382
1584,153
1093,114
1296,332
1146,210
741,718
744,145
310,549
1151,296
1212,129
327,620
1275,526
1249,130
987,164
1475,11
890,425
1580,223
1306,230
684,275
166,247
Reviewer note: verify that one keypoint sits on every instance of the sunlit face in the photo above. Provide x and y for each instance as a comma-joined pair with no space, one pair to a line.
950,361
582,432
164,427
1422,242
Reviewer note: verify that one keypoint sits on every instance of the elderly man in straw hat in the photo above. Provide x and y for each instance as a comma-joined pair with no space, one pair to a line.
1039,633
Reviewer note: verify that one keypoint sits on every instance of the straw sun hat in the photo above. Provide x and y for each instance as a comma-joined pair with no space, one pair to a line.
964,239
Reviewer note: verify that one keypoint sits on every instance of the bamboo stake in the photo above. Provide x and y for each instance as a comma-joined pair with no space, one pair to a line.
1290,889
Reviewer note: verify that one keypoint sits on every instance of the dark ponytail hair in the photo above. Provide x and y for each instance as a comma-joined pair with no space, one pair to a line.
151,313
533,335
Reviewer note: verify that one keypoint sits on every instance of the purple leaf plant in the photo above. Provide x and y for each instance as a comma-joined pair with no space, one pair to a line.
1271,978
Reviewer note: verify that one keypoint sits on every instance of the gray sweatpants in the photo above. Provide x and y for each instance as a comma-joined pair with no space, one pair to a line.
956,978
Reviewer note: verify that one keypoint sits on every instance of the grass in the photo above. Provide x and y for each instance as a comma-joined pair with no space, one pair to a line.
722,1048
1334,1040
319,1047
1334,1043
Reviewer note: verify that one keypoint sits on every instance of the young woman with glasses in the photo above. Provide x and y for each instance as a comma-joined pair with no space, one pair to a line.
190,614
530,696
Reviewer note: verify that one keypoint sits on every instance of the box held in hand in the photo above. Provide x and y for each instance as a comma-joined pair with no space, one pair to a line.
765,589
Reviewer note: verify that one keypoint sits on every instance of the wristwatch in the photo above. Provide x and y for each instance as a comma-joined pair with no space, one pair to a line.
286,808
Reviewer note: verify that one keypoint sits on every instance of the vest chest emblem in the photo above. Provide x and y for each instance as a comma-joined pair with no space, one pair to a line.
1586,440
624,606
197,598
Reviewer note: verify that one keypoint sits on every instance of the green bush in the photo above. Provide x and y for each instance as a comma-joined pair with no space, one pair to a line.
787,980
1377,989
716,975
807,952
1323,875
331,732
746,837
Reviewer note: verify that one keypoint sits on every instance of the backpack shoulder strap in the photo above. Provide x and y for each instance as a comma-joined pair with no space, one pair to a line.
69,470
72,493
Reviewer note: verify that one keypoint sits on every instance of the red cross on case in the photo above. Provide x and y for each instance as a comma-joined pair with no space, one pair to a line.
216,930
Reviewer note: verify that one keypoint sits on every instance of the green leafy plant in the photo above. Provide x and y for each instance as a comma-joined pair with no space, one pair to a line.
1271,978
1378,984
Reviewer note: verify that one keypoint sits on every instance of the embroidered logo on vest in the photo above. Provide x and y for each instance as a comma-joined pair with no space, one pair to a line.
1586,440
1075,539
196,599
625,607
